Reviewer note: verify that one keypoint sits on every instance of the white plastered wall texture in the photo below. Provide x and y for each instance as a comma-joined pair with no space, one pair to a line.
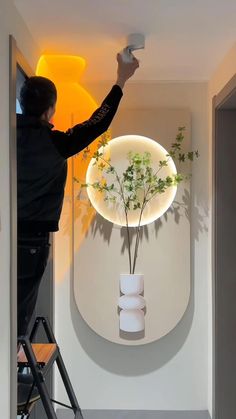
172,373
10,23
225,71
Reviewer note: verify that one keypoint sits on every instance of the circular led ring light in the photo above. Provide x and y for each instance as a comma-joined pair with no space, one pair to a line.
117,150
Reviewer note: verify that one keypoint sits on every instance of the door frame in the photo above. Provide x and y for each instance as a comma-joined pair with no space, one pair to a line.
16,59
224,100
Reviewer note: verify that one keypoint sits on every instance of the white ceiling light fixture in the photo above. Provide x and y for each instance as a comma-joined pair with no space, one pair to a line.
135,41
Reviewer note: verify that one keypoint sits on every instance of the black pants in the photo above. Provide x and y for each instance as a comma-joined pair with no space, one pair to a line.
32,255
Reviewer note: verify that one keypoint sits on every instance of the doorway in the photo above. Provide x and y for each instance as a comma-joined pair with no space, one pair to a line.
19,70
224,252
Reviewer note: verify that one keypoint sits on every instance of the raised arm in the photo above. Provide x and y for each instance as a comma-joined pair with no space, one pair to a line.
81,135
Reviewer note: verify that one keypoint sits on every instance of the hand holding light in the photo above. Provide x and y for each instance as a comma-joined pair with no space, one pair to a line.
127,65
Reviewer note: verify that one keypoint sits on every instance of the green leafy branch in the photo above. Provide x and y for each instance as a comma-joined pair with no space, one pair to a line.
139,183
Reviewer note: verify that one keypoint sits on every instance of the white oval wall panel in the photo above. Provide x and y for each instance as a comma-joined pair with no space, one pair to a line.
100,250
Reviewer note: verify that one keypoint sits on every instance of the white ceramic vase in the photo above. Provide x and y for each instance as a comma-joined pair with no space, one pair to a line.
131,303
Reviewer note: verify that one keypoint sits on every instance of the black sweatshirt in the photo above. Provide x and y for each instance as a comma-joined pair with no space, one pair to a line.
42,165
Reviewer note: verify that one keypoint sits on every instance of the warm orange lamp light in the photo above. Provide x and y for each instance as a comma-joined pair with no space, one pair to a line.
74,103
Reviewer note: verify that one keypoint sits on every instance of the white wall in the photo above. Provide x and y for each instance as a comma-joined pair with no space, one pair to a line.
10,23
182,382
171,373
224,72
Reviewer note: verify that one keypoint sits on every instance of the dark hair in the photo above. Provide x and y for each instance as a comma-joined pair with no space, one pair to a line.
37,95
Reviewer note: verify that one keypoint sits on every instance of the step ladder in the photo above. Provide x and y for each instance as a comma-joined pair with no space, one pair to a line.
39,358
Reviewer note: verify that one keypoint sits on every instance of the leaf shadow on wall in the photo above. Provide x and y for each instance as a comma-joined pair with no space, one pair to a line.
138,360
177,210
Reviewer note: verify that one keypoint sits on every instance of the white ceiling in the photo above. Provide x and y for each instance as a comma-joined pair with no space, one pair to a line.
185,39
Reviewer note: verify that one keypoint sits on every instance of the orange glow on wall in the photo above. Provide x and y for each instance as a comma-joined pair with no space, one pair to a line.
74,105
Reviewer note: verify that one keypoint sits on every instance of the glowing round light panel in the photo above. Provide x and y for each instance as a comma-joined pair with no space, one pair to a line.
117,150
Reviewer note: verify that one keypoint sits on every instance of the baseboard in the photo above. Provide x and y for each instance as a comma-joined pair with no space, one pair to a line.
135,414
